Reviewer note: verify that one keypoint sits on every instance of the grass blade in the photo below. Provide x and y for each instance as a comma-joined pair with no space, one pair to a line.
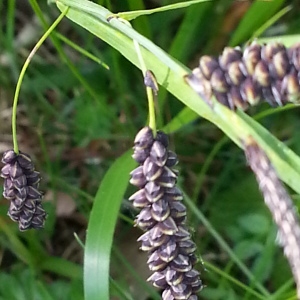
257,15
130,15
101,228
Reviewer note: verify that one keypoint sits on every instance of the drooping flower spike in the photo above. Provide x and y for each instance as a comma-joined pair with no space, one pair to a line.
237,78
21,188
280,205
163,218
21,181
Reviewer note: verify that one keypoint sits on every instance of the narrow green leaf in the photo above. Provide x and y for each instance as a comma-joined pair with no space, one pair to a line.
271,21
61,267
184,117
256,16
101,228
194,17
130,15
288,40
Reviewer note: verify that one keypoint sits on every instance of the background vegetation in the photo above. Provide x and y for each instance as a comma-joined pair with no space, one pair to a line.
76,118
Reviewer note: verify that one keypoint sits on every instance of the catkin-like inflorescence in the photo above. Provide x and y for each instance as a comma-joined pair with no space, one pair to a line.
280,205
237,78
21,183
163,217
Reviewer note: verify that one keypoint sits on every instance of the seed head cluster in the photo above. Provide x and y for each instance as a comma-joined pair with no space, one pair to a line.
163,217
280,205
239,78
21,183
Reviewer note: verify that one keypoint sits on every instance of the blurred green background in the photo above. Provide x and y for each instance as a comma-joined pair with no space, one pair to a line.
76,117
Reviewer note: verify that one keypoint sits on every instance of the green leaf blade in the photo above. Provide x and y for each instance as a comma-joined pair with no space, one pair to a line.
101,228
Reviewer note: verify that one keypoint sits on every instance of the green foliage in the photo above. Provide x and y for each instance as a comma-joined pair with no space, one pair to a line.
83,117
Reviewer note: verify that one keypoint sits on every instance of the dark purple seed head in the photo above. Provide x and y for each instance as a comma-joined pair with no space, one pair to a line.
153,191
173,277
15,170
251,57
31,204
160,210
162,216
172,159
20,182
158,153
144,138
151,170
139,199
207,66
25,219
294,56
137,177
9,157
21,193
162,138
157,237
181,263
21,188
187,247
144,220
235,73
34,178
158,280
18,203
229,56
5,171
8,184
235,97
33,193
140,155
9,194
192,276
262,74
280,65
167,178
38,220
168,251
181,291
25,161
197,287
250,91
168,226
13,212
155,263
218,81
269,50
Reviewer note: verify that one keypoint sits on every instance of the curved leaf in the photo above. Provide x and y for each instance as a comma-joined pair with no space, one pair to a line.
101,228
130,15
256,16
170,74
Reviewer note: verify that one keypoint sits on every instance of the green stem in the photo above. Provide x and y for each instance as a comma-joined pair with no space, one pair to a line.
149,89
22,73
151,107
